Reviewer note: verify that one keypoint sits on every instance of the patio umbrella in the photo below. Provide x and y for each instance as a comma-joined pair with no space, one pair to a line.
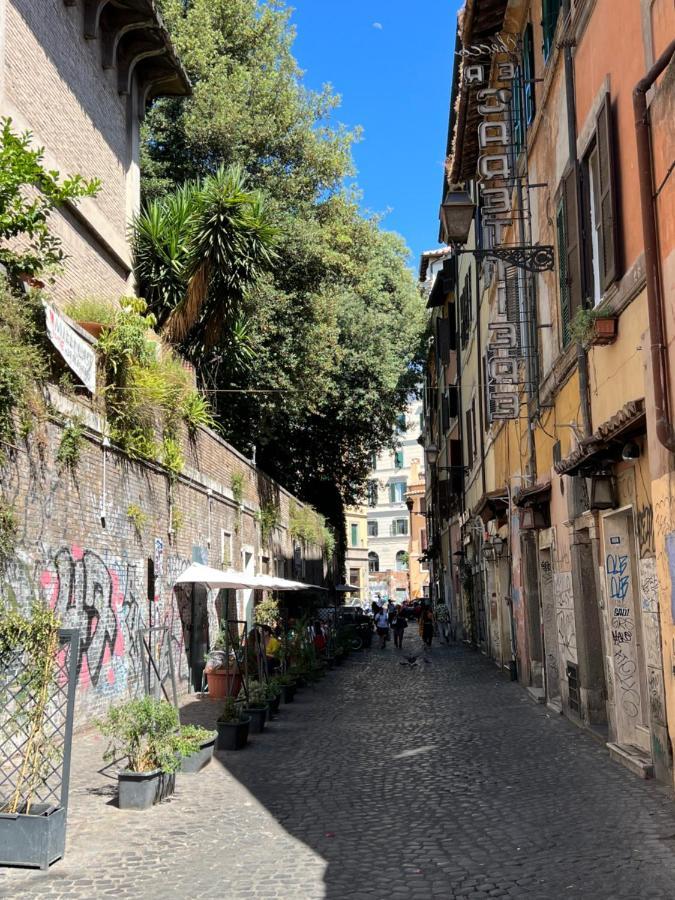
216,579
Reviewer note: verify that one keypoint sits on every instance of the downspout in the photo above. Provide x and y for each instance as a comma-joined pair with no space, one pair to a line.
665,431
582,359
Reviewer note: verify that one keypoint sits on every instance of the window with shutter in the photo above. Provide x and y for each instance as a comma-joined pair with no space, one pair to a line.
606,196
528,75
570,285
550,11
453,401
469,437
445,413
562,275
517,113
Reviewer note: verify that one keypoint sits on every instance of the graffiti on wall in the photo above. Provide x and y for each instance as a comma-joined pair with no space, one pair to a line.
564,603
88,594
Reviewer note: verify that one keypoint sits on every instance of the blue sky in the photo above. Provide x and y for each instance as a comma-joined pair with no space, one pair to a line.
391,61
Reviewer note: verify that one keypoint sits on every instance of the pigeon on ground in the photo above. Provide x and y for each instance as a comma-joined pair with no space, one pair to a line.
410,661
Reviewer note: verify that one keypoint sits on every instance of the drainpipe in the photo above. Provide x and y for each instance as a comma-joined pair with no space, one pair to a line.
582,360
665,431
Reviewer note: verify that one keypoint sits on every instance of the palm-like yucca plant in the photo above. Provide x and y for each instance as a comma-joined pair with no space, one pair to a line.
198,251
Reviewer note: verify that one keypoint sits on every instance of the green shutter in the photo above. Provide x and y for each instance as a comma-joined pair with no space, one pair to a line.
528,75
562,274
608,244
550,12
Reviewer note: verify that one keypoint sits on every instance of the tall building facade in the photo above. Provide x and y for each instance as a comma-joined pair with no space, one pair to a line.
356,554
388,517
549,382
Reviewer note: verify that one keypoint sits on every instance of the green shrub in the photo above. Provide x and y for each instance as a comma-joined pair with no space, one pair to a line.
189,739
267,612
237,484
8,530
138,518
143,731
70,446
92,309
231,711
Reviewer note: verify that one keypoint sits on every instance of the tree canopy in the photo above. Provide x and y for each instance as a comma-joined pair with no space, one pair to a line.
334,326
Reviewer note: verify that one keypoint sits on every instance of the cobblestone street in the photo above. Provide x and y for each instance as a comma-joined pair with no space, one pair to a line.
385,781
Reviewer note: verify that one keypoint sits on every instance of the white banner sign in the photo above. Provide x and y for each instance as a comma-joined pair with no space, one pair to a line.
77,353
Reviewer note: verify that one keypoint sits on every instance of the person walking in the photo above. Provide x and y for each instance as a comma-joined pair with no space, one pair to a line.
443,619
382,626
399,625
427,622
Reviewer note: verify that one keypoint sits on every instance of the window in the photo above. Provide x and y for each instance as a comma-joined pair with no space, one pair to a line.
465,310
398,459
373,562
598,213
589,230
373,461
469,437
423,505
473,429
397,491
401,423
372,529
372,493
528,75
550,11
402,561
226,549
354,577
399,526
355,534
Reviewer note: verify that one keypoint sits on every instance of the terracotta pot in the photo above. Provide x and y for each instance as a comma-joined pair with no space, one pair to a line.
92,328
223,683
605,330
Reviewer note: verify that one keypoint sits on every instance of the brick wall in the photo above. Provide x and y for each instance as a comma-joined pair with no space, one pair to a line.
79,550
54,85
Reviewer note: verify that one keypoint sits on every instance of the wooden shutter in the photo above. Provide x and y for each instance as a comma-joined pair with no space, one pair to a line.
443,332
572,248
607,196
562,275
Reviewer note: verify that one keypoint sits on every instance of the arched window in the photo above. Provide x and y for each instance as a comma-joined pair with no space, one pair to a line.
402,561
373,562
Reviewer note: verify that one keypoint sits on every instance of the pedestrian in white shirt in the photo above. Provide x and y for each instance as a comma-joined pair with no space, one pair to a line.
382,627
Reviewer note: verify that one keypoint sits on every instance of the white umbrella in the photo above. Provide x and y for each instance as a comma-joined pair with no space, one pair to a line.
215,578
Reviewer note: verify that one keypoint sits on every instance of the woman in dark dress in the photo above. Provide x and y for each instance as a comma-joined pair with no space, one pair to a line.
427,627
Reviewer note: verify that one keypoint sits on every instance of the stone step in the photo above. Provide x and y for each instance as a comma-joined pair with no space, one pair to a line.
632,758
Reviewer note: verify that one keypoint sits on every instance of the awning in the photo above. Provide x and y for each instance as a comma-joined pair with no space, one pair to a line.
347,588
603,447
532,496
230,578
217,579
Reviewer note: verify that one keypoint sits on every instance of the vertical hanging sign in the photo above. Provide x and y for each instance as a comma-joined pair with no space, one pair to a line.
496,162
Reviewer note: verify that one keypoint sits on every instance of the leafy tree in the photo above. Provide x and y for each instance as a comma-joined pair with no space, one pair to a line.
335,325
248,106
29,193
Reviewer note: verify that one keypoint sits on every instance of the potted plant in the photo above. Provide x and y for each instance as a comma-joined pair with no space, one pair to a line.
222,675
256,706
195,747
232,727
596,326
92,314
143,731
288,687
33,831
273,694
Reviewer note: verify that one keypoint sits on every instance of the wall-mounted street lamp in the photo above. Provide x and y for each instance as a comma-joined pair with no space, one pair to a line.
494,550
456,215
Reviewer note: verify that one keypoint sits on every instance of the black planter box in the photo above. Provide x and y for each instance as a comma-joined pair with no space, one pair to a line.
273,706
288,692
194,763
232,735
36,840
258,716
141,790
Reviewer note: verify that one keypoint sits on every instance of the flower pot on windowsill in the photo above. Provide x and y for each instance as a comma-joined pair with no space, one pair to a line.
605,330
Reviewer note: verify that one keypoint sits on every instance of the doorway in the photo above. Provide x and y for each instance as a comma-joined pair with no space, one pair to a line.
625,630
549,629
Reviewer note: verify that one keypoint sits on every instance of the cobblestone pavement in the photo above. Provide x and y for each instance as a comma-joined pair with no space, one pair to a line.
383,782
